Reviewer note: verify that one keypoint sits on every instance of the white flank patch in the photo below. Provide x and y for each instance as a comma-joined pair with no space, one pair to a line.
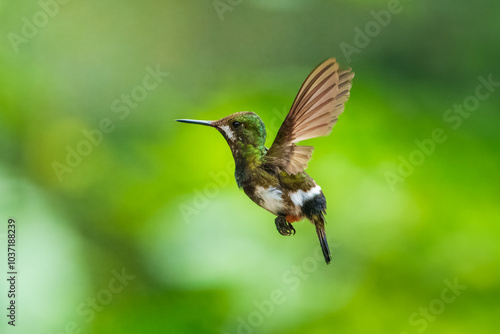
299,197
228,132
272,199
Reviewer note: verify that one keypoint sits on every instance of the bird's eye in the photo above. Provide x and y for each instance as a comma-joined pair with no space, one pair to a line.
236,124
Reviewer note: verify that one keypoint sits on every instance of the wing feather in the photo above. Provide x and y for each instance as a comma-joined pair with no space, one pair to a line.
314,112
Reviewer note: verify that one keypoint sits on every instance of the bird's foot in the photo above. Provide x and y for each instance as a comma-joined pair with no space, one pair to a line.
284,227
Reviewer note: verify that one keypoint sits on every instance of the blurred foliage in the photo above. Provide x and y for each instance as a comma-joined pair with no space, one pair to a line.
158,198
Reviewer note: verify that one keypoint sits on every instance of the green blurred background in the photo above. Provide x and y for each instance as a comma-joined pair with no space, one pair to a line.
156,200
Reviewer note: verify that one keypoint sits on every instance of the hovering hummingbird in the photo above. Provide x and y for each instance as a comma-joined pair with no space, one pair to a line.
274,177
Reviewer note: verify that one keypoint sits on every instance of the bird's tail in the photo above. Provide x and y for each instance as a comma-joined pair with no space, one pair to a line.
319,221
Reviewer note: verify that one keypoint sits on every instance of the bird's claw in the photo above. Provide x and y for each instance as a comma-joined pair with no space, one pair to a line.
284,227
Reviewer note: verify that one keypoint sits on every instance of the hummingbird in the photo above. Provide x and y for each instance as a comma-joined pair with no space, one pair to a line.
274,177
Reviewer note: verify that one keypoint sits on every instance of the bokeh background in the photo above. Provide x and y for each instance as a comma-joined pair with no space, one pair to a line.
155,202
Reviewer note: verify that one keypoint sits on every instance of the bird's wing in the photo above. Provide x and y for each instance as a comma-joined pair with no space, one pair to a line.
314,112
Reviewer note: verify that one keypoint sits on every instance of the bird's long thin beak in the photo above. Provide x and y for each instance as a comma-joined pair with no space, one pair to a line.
193,121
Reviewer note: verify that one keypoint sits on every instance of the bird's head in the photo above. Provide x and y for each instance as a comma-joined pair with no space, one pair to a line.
240,129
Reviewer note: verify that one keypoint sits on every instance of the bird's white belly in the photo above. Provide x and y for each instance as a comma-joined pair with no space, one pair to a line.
271,199
299,197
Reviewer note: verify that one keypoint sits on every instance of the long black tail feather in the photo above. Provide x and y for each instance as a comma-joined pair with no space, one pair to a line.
319,222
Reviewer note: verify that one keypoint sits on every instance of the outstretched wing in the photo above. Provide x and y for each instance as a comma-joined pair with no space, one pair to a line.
314,112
